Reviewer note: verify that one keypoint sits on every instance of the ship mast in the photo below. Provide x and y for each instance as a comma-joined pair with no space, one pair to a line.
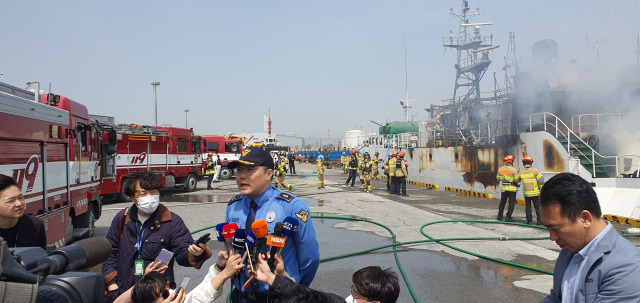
406,102
473,55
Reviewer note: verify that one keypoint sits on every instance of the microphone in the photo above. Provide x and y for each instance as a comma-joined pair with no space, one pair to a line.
260,231
97,249
250,243
277,241
238,241
219,230
290,226
227,232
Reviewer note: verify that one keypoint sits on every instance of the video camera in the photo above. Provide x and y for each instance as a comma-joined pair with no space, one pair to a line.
30,274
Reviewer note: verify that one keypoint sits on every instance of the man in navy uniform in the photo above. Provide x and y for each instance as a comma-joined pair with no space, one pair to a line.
259,200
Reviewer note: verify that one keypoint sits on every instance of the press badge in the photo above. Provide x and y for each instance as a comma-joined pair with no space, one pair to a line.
138,267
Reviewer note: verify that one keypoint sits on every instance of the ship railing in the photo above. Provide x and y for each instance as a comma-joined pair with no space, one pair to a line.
594,122
452,41
401,140
555,126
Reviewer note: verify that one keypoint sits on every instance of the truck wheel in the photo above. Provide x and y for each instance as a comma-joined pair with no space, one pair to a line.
92,221
120,197
226,173
191,183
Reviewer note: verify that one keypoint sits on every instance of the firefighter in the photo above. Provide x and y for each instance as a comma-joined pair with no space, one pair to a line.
344,160
532,181
365,168
508,175
292,163
392,173
210,170
375,163
401,175
282,172
352,167
320,165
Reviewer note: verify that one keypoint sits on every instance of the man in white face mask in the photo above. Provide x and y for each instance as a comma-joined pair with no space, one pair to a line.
138,234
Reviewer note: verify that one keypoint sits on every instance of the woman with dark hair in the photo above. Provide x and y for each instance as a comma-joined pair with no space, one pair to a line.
138,234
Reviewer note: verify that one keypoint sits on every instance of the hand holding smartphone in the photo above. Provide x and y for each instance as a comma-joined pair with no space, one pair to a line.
203,239
164,257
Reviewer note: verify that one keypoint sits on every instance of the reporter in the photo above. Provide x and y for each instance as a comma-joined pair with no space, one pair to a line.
154,288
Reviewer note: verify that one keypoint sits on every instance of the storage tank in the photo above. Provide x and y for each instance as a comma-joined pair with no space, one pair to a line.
351,138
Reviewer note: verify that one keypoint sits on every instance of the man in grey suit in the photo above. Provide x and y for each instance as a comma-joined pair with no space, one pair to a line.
596,264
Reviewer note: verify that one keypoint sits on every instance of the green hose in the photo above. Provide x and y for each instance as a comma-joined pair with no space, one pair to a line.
431,240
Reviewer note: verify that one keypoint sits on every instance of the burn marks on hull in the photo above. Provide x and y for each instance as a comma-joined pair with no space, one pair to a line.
553,160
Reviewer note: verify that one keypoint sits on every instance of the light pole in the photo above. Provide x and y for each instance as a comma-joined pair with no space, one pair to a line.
155,97
186,118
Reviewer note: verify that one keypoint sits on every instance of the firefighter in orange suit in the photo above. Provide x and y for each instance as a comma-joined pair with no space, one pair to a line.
509,178
532,181
320,165
281,172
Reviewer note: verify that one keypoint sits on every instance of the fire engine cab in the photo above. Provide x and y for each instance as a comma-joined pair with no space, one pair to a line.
174,154
49,144
228,149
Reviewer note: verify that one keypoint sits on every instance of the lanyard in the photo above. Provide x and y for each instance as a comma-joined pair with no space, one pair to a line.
139,239
15,244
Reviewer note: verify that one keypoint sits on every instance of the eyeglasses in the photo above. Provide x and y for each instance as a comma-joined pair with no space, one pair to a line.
143,193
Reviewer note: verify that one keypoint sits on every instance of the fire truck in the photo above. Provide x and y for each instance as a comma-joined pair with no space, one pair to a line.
174,154
49,144
228,149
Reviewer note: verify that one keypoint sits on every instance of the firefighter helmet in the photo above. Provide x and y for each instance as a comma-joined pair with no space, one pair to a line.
394,154
508,159
293,153
401,154
390,154
320,157
353,151
527,159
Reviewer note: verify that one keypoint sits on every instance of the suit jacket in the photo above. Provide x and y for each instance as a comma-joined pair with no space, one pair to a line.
611,274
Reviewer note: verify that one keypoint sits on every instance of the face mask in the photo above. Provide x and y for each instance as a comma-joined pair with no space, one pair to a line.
350,299
148,204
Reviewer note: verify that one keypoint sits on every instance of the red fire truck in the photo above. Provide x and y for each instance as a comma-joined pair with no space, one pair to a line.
174,154
228,149
50,146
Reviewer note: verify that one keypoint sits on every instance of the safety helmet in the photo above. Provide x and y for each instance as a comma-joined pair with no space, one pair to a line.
508,159
353,151
390,153
394,154
343,153
377,153
293,153
401,154
527,159
438,121
320,157
362,153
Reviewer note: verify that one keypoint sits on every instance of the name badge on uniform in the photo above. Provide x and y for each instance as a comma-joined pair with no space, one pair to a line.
138,267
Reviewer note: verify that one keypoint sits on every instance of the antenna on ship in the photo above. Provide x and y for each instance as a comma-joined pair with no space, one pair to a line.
405,102
473,53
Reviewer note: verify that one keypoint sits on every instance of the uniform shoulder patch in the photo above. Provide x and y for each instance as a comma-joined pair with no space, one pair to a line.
303,215
234,199
285,196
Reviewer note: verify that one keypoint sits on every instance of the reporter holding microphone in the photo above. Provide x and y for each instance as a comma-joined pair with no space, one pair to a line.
259,200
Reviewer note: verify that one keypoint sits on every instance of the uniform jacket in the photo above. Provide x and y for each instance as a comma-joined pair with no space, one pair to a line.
611,274
353,163
532,181
320,167
301,253
163,229
508,175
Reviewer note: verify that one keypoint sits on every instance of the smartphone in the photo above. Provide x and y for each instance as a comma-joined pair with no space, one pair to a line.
164,257
203,239
184,283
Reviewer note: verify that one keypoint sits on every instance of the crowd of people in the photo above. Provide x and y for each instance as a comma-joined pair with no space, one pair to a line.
595,262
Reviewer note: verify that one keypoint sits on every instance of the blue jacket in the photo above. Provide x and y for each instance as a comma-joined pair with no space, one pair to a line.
301,254
163,229
611,274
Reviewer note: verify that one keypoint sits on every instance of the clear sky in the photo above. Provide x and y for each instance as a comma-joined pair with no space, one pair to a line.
318,65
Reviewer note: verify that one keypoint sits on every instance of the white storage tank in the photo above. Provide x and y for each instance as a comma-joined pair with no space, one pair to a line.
351,138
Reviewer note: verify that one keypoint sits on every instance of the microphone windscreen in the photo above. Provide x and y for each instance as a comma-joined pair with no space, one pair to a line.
251,239
219,235
239,238
290,226
277,230
260,228
97,250
228,230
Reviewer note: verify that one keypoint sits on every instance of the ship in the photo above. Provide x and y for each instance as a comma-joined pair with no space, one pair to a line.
556,116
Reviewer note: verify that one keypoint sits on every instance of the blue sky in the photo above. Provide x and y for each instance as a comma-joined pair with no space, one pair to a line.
318,65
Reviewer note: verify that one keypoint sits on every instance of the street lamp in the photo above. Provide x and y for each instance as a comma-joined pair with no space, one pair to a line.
186,118
155,97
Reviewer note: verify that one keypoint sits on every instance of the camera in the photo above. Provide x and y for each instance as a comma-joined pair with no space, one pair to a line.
30,274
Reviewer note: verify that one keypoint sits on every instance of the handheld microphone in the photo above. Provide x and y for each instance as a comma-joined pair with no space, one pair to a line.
250,243
238,241
290,226
277,241
227,232
260,231
219,236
